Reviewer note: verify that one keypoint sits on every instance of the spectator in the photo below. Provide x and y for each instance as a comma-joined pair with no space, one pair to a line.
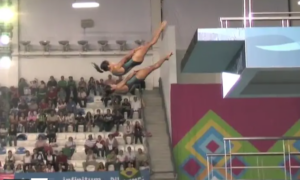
41,122
62,125
82,84
3,135
91,86
19,169
130,157
9,161
42,91
52,83
31,169
111,159
62,83
26,160
53,119
116,106
138,132
108,122
44,105
100,85
12,135
89,120
22,84
69,148
49,168
23,121
128,132
70,121
31,126
136,106
71,83
61,95
62,161
110,80
111,143
101,167
126,107
90,144
34,85
9,170
90,160
51,159
33,106
40,144
121,159
119,119
100,145
23,107
82,98
71,106
80,121
52,97
98,120
72,94
141,159
51,133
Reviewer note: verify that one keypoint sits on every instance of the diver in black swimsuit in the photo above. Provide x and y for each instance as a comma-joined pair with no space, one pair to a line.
128,83
134,58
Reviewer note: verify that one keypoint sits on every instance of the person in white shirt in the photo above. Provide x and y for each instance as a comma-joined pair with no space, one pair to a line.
9,161
136,107
130,157
121,160
128,132
26,160
71,145
111,144
90,144
82,97
70,121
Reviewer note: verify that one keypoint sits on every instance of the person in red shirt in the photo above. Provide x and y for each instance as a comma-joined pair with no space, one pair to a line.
43,105
52,96
62,160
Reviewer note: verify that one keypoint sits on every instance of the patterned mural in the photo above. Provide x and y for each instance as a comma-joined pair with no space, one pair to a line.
206,136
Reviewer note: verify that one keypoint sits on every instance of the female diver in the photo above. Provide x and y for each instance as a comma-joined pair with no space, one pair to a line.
128,83
134,58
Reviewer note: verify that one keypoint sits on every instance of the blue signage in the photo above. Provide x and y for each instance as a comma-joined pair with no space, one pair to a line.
112,175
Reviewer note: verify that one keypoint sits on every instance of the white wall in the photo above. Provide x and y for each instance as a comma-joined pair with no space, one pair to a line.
168,71
44,67
56,20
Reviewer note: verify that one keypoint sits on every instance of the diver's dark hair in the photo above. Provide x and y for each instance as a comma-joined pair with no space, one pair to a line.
104,66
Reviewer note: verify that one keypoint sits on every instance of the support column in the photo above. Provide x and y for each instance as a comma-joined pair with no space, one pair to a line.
155,23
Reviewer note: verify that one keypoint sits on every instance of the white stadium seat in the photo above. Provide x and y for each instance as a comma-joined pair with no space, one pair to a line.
80,136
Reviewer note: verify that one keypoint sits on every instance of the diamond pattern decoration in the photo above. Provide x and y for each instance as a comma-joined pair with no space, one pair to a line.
294,161
215,175
296,145
237,162
192,167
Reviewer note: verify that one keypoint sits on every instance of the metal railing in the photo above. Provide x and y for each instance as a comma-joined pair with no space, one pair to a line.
228,155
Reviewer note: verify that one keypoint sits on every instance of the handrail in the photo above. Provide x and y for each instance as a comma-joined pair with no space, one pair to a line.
253,154
273,13
260,138
258,18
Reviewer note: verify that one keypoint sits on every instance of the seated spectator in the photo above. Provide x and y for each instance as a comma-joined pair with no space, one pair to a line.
100,145
90,144
52,83
71,168
116,105
111,143
80,121
8,170
42,91
52,97
111,159
126,107
138,132
12,135
19,169
100,86
3,135
22,85
62,161
119,119
9,161
141,159
128,132
72,94
71,83
136,107
98,120
108,121
40,144
89,120
91,86
49,168
62,125
53,119
14,95
121,160
41,122
70,121
71,106
51,159
70,147
110,80
23,121
31,118
44,105
61,106
51,133
82,84
61,95
130,157
62,83
82,98
26,160
90,160
33,106
23,107
101,167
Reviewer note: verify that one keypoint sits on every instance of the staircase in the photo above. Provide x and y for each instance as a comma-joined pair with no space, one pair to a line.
159,144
